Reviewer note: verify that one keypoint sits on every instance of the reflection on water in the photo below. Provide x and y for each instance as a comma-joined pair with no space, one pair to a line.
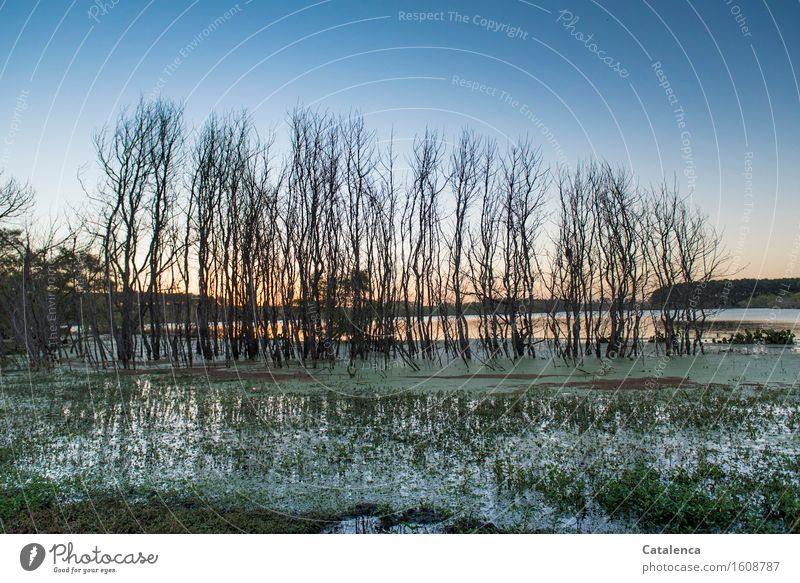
719,323
321,450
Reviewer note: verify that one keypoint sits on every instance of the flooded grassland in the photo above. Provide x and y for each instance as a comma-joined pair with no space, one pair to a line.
708,444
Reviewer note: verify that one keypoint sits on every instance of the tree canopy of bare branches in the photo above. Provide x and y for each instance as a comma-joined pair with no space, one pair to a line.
210,246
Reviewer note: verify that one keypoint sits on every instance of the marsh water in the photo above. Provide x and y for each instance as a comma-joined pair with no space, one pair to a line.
485,452
719,323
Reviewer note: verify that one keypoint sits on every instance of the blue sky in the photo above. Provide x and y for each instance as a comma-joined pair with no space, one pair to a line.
728,130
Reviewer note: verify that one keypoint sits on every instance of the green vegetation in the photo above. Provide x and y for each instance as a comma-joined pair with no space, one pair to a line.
705,499
741,293
773,300
761,336
685,502
37,494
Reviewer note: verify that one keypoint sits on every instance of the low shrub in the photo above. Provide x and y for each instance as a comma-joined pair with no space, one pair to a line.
683,503
761,336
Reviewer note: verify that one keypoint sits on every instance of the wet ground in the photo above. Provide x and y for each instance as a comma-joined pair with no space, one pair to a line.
703,444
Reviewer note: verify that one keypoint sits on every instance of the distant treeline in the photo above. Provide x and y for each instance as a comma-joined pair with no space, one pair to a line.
208,245
742,293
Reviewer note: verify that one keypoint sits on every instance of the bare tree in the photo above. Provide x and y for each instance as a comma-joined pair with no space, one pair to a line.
16,198
421,228
618,241
524,186
484,246
464,182
359,167
571,278
125,160
166,159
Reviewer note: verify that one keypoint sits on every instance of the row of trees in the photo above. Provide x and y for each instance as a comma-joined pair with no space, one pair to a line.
617,244
209,247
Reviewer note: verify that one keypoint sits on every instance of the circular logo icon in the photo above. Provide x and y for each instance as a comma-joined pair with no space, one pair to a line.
31,556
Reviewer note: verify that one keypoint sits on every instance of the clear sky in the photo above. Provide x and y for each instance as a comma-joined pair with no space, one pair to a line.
705,91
